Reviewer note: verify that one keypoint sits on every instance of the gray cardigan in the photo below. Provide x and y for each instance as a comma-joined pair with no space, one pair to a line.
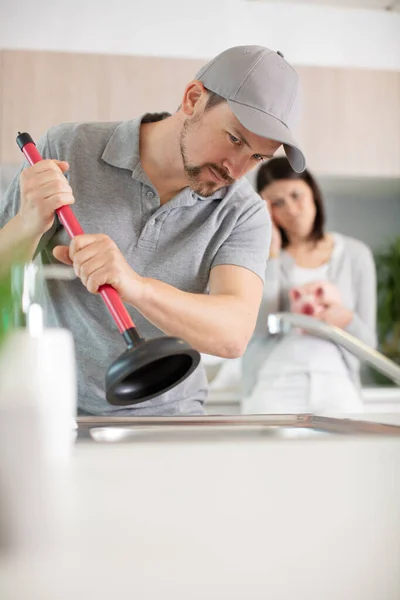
352,269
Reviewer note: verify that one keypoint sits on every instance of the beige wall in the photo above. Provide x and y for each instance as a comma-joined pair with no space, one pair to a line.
350,123
42,89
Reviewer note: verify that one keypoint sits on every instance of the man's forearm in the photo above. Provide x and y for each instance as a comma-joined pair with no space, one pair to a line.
16,243
213,324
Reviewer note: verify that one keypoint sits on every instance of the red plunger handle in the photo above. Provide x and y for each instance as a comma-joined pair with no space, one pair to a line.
73,228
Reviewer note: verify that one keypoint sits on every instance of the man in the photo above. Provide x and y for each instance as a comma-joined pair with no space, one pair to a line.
177,220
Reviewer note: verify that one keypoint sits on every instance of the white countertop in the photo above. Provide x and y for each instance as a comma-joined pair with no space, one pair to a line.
236,516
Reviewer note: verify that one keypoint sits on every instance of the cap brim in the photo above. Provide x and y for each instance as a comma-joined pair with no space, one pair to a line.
266,126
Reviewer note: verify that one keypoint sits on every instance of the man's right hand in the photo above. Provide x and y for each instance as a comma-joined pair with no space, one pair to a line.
44,188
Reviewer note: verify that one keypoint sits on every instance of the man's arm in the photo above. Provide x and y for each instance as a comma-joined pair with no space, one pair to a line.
27,208
17,243
220,323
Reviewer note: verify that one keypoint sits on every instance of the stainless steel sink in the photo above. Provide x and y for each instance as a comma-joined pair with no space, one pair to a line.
122,429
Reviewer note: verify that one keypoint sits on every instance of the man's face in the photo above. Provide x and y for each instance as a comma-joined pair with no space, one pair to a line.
217,150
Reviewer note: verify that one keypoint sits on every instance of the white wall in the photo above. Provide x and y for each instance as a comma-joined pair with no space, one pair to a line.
306,34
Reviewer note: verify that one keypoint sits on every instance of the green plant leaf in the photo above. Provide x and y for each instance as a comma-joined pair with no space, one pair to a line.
388,299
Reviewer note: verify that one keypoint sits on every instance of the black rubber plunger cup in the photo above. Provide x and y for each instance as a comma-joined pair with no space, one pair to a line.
148,367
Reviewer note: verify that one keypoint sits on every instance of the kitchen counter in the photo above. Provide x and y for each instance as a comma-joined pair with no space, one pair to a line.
377,400
226,514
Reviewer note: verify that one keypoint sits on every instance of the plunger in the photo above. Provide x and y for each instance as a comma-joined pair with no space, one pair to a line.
148,367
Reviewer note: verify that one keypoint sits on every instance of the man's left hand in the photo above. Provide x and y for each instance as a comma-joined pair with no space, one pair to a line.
97,260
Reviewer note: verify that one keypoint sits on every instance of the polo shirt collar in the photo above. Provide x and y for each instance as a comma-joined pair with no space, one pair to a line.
122,151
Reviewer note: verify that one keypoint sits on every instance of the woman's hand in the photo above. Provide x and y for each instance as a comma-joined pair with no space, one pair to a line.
97,260
337,315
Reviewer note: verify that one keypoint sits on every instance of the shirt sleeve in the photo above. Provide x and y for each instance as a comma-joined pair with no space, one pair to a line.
363,323
248,244
270,302
9,202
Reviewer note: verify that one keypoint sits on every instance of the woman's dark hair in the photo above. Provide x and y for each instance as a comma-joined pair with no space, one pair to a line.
279,168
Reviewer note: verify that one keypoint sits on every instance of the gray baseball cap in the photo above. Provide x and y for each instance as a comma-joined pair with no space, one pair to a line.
262,90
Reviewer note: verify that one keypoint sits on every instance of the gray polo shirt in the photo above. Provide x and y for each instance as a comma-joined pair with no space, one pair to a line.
178,243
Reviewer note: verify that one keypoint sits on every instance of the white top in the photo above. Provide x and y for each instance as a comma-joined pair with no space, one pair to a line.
303,275
300,351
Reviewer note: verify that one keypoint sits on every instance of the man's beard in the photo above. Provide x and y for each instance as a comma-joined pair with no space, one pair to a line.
192,172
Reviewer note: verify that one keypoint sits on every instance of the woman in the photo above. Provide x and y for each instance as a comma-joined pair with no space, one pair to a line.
299,372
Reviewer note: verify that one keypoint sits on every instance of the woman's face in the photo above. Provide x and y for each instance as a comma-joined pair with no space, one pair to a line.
291,205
